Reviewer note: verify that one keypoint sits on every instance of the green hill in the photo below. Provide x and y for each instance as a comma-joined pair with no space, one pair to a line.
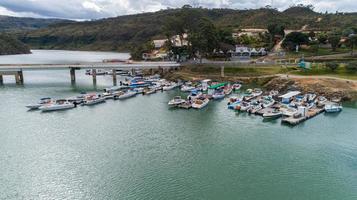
11,45
121,33
8,23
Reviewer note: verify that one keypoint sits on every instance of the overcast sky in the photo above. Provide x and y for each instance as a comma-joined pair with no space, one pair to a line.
94,9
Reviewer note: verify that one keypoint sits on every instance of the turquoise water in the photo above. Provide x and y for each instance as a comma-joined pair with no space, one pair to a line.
141,149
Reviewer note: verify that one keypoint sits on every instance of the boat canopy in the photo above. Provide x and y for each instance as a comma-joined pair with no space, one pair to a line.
217,86
290,94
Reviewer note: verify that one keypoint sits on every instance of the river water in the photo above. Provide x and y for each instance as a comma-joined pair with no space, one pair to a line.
141,149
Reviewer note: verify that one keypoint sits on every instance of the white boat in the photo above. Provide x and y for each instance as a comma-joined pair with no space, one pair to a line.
289,112
169,87
99,72
125,95
149,91
273,93
257,92
272,115
218,95
138,90
187,88
194,95
61,104
237,86
228,90
42,102
108,95
200,103
268,101
244,106
176,101
333,108
93,99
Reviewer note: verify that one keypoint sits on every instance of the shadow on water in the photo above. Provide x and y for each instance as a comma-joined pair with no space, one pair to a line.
271,121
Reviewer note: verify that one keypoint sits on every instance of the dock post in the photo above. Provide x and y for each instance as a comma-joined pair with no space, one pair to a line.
1,79
222,71
114,77
152,71
94,74
133,72
72,71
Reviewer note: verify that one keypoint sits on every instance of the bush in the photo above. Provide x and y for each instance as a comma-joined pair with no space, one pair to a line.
332,65
352,66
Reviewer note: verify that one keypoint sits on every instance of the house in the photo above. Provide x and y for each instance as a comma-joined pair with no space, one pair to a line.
159,43
286,98
247,51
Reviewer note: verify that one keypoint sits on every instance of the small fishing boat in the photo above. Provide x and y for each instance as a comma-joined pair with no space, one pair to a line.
257,92
98,72
268,101
228,90
273,93
248,91
244,106
108,95
237,86
200,103
289,112
333,108
194,95
93,99
170,86
60,104
187,87
176,101
149,90
272,115
125,95
254,109
218,95
43,101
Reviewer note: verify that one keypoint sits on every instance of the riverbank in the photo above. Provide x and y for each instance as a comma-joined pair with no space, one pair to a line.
273,78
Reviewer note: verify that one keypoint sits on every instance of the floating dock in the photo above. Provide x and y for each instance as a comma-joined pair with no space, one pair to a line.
310,114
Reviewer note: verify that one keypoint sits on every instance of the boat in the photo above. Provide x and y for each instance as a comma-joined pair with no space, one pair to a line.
254,109
149,91
273,114
170,86
99,72
194,95
268,101
187,87
200,103
138,90
248,91
218,95
228,90
93,99
60,104
273,93
125,95
43,101
108,95
177,100
237,86
244,106
289,112
257,92
333,108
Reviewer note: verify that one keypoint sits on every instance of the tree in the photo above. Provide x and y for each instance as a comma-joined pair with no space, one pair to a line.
352,42
314,46
334,40
352,66
137,52
275,30
332,65
312,34
322,38
293,39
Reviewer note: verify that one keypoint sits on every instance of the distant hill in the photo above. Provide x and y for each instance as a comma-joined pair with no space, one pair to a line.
8,23
10,45
121,33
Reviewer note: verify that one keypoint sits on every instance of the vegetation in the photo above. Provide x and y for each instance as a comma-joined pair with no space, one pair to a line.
11,45
123,32
294,39
8,23
333,66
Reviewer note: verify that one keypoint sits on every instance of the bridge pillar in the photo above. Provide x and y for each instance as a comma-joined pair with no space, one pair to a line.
94,75
133,72
222,71
114,77
21,76
17,78
72,71
1,79
151,71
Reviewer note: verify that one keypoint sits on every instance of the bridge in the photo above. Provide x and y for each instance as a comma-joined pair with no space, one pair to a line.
17,69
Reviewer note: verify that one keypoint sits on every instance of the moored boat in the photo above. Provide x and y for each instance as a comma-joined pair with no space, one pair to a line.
60,104
125,95
272,115
200,103
93,99
176,101
333,108
43,101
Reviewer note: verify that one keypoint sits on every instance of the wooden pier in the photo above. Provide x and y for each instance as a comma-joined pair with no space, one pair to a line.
310,114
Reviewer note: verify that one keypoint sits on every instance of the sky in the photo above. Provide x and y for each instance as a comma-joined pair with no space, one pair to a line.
95,9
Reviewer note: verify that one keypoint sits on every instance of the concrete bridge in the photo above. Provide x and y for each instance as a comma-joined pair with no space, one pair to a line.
17,69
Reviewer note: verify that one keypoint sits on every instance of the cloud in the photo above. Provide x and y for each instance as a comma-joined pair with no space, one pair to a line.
94,9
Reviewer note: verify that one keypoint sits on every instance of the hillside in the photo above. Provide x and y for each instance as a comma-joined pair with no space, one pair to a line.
121,33
8,23
10,45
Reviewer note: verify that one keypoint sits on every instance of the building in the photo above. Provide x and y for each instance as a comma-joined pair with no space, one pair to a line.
247,51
